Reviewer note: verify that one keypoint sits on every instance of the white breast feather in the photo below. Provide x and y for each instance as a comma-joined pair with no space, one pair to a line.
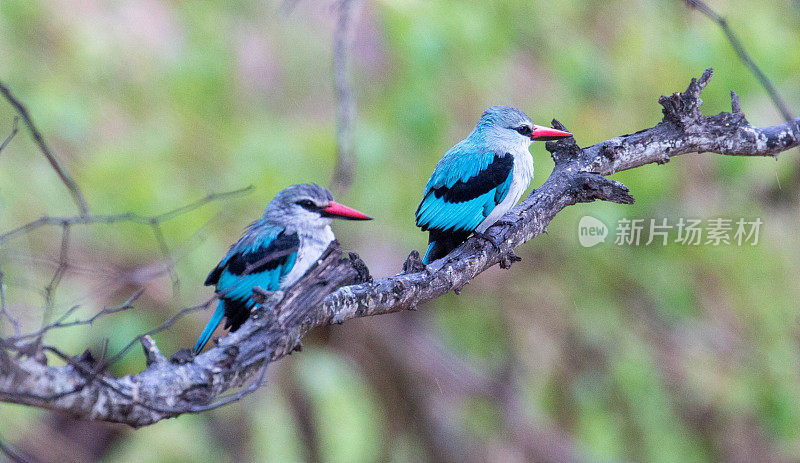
312,245
522,175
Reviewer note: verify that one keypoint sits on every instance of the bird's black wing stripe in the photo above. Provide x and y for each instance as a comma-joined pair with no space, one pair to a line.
265,258
213,277
489,178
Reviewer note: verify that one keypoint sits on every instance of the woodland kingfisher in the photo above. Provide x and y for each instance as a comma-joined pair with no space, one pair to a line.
479,179
274,251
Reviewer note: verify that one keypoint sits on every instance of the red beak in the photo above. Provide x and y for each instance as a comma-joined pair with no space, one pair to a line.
341,211
540,133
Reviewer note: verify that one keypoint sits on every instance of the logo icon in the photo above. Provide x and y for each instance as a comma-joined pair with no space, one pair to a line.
591,231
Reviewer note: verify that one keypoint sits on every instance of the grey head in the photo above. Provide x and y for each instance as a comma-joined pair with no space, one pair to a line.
307,206
510,126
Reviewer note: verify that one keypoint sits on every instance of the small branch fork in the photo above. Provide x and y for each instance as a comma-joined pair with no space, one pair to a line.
14,130
74,190
129,217
84,216
66,223
745,57
339,288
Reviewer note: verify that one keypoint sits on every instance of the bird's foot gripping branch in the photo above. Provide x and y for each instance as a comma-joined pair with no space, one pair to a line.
338,288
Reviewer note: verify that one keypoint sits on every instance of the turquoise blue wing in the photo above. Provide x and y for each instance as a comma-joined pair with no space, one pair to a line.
260,260
463,191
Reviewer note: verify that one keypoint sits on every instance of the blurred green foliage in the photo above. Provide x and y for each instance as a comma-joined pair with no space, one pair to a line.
152,105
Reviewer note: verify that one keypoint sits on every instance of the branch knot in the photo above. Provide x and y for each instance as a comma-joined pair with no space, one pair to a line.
413,263
683,109
591,186
564,150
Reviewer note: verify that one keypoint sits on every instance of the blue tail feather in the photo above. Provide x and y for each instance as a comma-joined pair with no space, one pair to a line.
210,327
426,259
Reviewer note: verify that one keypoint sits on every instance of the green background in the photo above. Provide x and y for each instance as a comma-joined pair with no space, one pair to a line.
643,353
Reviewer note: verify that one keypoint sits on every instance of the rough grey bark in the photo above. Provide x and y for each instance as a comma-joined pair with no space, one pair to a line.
339,288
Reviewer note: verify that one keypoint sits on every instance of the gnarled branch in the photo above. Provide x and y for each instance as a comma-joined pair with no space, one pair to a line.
339,288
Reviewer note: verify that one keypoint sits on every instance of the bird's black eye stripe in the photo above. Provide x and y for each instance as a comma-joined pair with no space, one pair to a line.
307,204
524,130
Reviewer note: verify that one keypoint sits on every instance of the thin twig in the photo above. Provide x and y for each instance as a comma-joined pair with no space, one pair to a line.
737,45
61,323
74,190
15,255
14,130
152,221
50,289
4,307
131,217
167,216
167,324
345,99
14,455
167,256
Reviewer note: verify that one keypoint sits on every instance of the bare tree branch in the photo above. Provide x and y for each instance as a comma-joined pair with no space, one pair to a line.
164,326
131,217
4,306
167,256
154,222
74,190
748,61
13,454
50,289
62,323
14,130
345,100
62,264
338,288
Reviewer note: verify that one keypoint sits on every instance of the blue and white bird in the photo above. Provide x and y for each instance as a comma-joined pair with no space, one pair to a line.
274,252
479,179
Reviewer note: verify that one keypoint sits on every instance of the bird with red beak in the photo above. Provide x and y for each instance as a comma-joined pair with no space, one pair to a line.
479,179
274,252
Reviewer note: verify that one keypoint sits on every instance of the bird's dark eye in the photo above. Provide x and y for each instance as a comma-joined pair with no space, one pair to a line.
524,130
307,204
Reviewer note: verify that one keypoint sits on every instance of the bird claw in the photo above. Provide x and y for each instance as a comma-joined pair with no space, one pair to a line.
504,222
266,299
486,237
507,260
